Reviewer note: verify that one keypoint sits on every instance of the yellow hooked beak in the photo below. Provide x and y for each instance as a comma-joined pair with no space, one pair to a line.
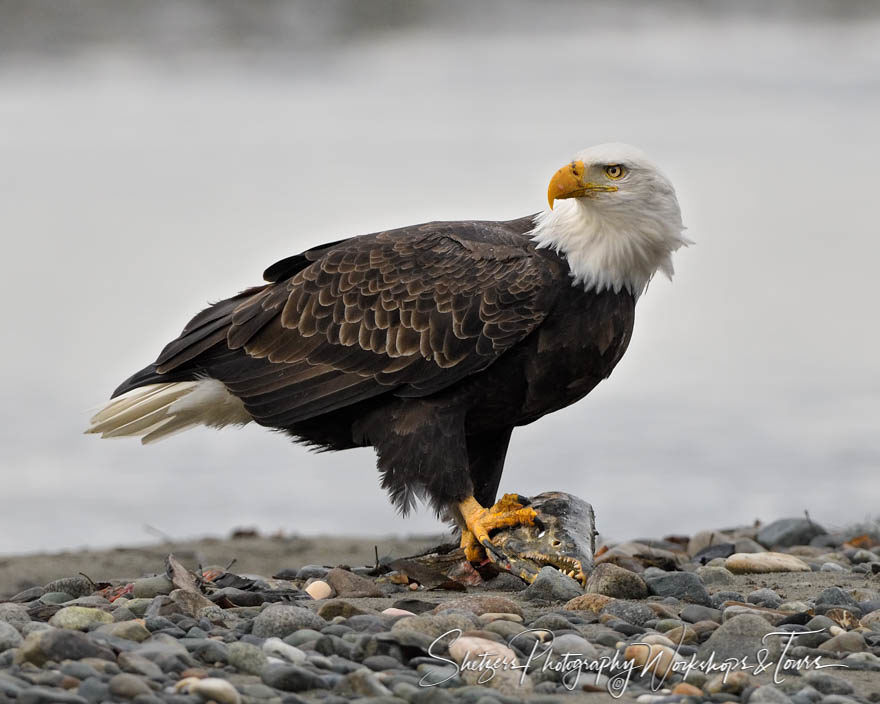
569,182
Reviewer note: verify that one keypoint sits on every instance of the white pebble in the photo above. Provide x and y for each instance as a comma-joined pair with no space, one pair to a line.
391,611
210,688
490,617
319,590
657,639
275,647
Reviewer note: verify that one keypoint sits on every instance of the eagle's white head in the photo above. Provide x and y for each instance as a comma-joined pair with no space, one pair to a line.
618,221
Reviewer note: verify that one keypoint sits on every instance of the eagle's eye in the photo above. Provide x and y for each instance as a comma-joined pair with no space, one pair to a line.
615,171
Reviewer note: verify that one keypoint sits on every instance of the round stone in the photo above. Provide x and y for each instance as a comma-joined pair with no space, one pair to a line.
480,604
611,580
551,585
632,612
149,587
9,636
763,562
280,620
716,575
319,590
686,586
247,657
79,618
764,597
277,648
75,586
787,532
128,686
291,678
740,637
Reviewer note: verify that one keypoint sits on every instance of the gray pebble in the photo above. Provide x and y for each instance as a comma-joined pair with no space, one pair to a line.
11,686
213,651
302,636
382,662
849,642
14,614
311,572
614,581
139,665
809,693
362,682
48,695
247,658
80,670
695,612
56,598
828,684
506,582
257,690
551,621
28,595
719,598
280,620
571,643
61,644
336,629
291,678
716,575
552,585
150,587
788,532
685,586
366,623
93,690
836,597
9,636
764,597
740,637
128,686
632,612
334,645
75,586
768,694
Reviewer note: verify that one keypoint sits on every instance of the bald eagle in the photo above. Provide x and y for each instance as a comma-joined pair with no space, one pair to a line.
429,343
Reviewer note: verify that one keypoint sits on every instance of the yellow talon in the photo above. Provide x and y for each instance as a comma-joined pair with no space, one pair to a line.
507,511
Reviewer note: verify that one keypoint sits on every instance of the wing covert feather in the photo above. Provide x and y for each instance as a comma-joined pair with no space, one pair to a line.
411,311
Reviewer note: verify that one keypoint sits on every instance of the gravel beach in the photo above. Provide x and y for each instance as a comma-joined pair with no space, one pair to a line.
681,618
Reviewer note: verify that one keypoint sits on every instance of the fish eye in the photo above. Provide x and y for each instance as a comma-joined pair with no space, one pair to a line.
615,171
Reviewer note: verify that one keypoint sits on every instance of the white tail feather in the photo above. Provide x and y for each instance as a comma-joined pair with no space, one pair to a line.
157,411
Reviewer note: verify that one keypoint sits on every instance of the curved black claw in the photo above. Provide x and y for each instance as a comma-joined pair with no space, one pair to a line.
495,554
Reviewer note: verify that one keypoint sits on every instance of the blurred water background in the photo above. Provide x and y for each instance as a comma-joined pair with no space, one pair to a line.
157,155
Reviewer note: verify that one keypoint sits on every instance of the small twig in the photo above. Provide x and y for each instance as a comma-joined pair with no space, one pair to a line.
807,514
234,560
376,551
91,581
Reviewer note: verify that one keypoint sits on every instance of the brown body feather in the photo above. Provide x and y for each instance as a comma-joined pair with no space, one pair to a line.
429,343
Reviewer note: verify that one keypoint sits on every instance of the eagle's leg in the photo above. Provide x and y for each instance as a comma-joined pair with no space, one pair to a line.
507,511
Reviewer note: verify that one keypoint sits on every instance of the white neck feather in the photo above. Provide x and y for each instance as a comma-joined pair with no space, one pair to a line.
611,248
